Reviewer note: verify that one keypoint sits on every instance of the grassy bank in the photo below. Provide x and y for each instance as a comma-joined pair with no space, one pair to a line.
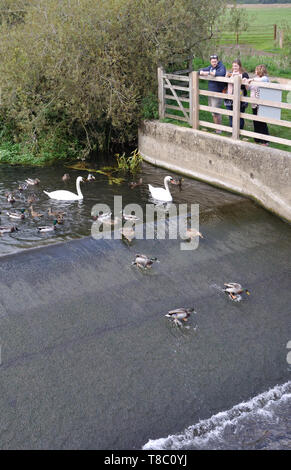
262,19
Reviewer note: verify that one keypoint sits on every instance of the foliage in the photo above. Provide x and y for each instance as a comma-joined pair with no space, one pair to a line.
150,107
131,163
81,69
238,20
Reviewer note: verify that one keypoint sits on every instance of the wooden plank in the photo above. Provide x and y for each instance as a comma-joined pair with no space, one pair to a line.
216,79
274,104
195,100
276,86
236,107
215,126
161,93
216,94
178,118
172,76
177,98
215,110
175,87
181,98
171,106
276,122
191,109
270,138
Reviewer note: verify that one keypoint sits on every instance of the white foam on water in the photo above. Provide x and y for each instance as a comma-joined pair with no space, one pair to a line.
198,435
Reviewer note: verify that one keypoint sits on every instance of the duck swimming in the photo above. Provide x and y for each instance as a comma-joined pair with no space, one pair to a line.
63,195
33,213
16,215
134,184
66,177
143,261
90,177
192,233
233,289
47,228
10,197
162,194
8,229
32,182
180,314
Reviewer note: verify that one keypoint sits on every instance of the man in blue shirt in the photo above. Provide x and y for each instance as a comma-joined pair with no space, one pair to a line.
215,69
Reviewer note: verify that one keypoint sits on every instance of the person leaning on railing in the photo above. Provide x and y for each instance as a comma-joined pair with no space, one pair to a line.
261,76
215,69
237,69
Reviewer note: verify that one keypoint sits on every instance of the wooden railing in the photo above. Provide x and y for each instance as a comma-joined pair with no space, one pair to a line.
184,90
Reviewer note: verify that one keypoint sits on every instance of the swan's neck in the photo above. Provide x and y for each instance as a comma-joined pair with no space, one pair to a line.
166,183
79,192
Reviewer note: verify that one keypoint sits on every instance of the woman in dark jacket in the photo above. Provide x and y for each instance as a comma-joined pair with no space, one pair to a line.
236,70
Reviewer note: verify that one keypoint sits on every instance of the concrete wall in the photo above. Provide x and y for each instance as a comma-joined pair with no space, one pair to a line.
262,173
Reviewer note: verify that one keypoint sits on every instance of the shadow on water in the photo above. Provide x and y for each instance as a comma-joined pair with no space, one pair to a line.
89,359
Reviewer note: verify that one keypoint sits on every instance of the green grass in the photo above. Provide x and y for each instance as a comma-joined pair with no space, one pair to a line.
260,34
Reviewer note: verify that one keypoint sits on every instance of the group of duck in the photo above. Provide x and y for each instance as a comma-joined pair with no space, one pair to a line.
232,289
21,214
144,262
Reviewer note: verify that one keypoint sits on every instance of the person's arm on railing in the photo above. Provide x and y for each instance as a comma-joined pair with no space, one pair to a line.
205,71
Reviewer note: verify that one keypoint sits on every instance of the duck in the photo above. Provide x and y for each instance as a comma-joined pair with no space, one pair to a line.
90,177
143,261
66,177
134,184
60,219
31,199
128,233
16,215
32,182
103,216
131,217
55,214
47,228
10,197
8,229
22,187
178,182
180,314
233,289
192,233
33,213
162,194
63,195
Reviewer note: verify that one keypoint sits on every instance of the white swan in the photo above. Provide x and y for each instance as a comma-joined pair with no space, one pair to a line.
63,195
162,194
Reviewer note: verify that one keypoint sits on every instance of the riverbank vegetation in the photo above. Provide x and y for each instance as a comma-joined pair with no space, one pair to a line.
74,74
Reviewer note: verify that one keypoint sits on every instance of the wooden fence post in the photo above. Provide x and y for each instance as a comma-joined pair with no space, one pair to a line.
275,31
161,93
194,99
236,107
281,38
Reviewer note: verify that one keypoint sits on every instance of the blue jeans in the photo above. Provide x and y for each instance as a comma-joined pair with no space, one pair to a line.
241,122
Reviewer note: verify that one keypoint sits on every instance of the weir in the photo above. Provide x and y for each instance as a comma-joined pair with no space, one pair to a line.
88,359
263,174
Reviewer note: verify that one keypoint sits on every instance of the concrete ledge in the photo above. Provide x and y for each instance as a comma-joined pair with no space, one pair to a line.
261,173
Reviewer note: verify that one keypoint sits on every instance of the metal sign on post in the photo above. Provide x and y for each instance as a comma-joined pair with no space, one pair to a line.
270,94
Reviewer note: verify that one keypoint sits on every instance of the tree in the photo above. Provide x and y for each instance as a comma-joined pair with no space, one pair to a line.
238,20
77,69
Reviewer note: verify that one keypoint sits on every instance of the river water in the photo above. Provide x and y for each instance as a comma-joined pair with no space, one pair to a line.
88,359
